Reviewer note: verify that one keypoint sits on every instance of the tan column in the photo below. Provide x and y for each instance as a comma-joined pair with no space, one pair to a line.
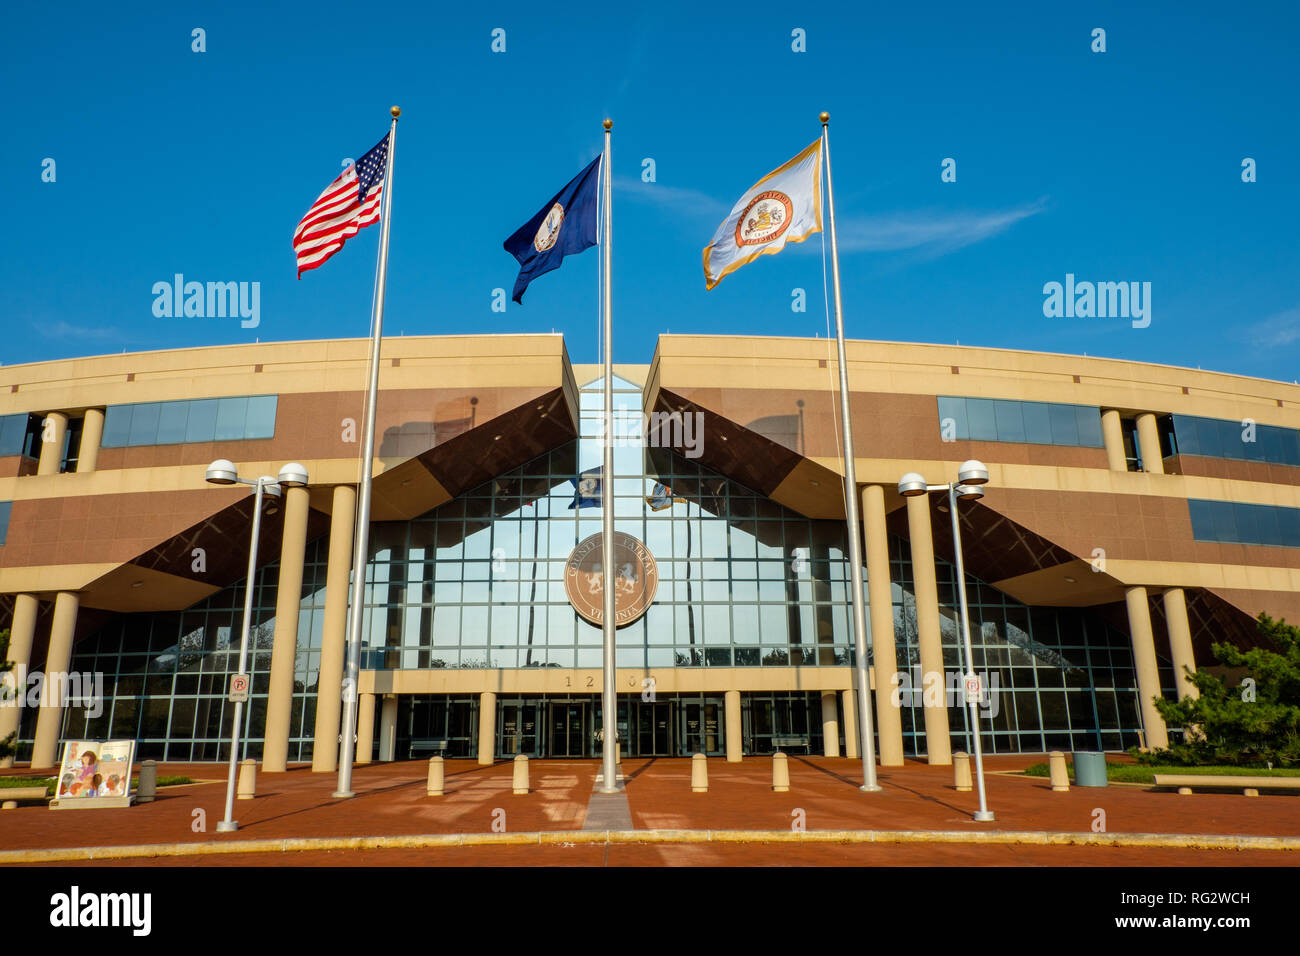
388,729
938,747
1144,660
22,632
1112,436
1180,641
848,700
365,728
830,725
1149,444
889,725
49,722
329,686
284,649
55,427
735,737
487,728
92,433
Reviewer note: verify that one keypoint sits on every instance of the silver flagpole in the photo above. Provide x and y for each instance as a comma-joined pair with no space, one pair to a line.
361,543
609,705
865,722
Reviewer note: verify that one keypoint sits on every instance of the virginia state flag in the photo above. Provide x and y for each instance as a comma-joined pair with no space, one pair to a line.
587,489
784,206
564,226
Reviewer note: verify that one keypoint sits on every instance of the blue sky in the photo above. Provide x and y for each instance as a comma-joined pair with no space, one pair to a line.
1115,166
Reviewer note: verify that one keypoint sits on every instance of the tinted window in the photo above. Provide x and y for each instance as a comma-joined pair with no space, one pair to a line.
144,424
1011,424
1038,423
5,508
1244,523
13,429
231,413
202,423
117,426
260,422
954,409
1065,425
982,419
171,422
1089,426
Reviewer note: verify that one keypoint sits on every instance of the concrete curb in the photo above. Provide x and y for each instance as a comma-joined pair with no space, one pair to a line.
1182,841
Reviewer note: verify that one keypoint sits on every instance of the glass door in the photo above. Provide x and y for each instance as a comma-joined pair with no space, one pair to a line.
569,729
517,728
699,727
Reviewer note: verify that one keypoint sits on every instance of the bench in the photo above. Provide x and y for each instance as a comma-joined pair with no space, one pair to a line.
1250,786
780,742
9,796
437,746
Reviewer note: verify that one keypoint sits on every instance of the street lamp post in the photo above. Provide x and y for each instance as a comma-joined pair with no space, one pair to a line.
223,472
971,476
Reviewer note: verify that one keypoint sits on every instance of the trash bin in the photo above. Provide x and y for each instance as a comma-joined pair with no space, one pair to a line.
1089,768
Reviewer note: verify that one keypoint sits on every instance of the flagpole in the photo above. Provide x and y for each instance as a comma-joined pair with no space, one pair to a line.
609,700
361,543
865,723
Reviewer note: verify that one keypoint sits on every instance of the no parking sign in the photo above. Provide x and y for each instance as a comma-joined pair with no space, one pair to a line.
238,688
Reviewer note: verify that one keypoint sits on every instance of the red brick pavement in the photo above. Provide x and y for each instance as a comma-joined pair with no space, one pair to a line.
391,801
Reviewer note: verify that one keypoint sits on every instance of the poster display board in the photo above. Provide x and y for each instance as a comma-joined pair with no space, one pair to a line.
94,774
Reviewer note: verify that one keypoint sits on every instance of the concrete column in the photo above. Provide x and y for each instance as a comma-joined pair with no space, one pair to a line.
1180,641
889,726
735,735
1144,659
284,649
55,426
938,747
365,729
329,685
848,701
830,725
49,722
388,729
1149,444
92,434
487,728
22,632
1112,436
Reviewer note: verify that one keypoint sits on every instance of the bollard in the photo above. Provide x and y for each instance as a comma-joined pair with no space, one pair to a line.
1250,792
9,805
699,774
1056,766
521,774
148,787
434,788
961,772
247,779
618,753
1184,791
780,773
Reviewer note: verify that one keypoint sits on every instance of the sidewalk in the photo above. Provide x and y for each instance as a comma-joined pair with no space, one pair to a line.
824,796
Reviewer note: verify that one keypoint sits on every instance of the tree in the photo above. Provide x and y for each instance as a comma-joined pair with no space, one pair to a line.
7,748
1252,721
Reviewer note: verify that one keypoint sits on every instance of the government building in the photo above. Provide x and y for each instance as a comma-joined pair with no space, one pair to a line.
1135,514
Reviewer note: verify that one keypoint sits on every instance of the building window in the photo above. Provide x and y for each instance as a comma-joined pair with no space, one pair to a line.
237,418
1238,440
1238,523
1132,447
6,507
20,435
1031,423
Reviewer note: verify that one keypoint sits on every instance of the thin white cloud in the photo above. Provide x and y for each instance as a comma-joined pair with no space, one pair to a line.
1278,330
680,198
60,329
928,232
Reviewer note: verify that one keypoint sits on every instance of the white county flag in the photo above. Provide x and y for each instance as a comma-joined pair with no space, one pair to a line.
784,206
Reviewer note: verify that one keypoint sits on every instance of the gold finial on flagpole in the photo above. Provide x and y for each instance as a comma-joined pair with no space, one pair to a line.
396,111
608,124
825,117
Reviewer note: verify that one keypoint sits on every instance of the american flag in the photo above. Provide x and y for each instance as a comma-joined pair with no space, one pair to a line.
350,202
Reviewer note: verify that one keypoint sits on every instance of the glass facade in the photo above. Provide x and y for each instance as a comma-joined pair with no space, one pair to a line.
20,435
478,583
1239,523
6,508
1031,423
1216,438
195,420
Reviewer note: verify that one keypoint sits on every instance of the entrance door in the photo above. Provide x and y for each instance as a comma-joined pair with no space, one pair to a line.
654,726
698,730
517,728
569,729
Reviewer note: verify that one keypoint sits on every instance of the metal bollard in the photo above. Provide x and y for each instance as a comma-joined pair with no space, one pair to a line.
148,788
699,774
1056,767
618,753
780,773
247,779
961,771
521,774
434,788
